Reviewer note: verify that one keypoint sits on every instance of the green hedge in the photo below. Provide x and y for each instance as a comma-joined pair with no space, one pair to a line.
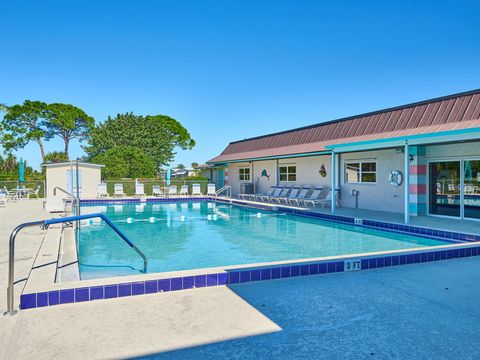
11,184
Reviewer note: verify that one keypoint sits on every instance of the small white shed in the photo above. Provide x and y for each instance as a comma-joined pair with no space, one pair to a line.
64,176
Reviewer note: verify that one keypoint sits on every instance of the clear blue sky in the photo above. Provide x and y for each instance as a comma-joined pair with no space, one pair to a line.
234,69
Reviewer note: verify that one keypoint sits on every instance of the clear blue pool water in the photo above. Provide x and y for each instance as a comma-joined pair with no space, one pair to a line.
211,236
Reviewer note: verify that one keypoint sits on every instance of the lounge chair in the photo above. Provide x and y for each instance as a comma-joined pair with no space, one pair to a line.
196,190
257,197
139,189
246,196
293,195
184,190
322,201
316,194
283,193
172,190
118,190
34,192
211,190
273,192
102,190
301,195
156,190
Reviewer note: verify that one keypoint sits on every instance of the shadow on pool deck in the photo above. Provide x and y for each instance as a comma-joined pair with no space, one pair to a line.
410,312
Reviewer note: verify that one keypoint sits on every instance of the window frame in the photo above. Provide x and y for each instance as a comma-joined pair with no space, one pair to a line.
360,171
244,172
287,173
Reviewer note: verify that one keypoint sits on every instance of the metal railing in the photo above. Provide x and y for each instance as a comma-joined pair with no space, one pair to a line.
226,189
45,224
75,199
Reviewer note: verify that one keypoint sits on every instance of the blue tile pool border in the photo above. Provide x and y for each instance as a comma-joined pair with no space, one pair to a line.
240,276
264,273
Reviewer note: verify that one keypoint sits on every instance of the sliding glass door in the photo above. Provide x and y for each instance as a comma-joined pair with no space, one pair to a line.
444,192
446,184
471,189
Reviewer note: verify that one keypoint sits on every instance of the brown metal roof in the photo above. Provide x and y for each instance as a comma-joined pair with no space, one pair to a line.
440,114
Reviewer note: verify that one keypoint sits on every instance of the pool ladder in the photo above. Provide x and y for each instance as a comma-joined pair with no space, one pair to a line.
226,189
44,224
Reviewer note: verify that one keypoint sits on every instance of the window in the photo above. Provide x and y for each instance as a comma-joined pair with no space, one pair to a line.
288,173
361,172
244,174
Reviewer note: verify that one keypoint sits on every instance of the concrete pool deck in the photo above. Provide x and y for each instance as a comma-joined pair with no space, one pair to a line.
427,310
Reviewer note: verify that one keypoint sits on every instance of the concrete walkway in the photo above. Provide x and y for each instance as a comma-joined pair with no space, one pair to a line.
444,223
419,311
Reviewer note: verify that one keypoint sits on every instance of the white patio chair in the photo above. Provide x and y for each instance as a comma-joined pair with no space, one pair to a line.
118,190
196,191
34,192
102,190
11,195
211,190
139,189
184,190
277,190
156,190
172,190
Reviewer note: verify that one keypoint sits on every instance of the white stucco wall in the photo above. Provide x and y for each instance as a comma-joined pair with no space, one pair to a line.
233,175
307,173
381,195
308,170
56,175
263,183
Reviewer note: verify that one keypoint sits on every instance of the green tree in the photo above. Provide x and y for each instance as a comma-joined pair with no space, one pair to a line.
180,166
194,164
156,135
9,167
22,124
68,122
126,162
56,157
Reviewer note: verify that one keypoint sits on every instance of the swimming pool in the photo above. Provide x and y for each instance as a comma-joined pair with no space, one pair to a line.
194,235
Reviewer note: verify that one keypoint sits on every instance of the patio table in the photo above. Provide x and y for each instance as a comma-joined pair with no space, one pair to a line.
21,191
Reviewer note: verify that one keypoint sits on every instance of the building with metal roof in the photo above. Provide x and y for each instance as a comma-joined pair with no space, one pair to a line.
430,145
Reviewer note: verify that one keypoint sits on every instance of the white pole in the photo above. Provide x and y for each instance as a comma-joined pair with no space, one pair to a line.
334,193
276,173
407,183
462,189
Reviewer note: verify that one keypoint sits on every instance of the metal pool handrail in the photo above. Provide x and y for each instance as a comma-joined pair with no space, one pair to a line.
44,224
76,200
227,189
